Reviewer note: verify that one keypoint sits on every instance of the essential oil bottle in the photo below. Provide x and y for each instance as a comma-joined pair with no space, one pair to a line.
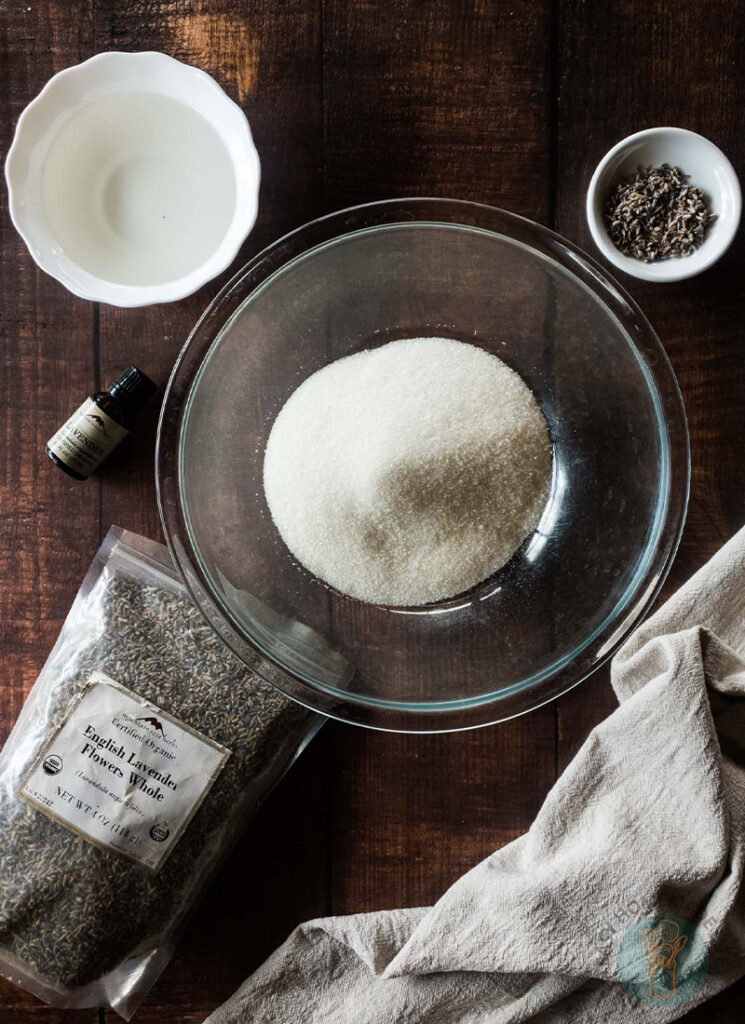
100,424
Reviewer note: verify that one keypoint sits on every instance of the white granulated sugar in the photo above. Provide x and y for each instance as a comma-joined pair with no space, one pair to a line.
408,473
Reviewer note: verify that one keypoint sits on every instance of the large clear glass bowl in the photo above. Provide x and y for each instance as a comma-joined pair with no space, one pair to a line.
577,586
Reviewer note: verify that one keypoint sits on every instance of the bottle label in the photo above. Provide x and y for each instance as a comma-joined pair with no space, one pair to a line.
87,438
123,774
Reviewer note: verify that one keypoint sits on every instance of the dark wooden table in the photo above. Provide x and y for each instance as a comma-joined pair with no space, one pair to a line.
353,100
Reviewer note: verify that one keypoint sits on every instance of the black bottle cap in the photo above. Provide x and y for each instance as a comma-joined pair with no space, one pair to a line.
133,389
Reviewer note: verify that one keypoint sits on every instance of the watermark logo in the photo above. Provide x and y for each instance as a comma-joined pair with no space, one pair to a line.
662,961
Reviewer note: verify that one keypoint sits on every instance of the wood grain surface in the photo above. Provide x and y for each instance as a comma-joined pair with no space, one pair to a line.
350,101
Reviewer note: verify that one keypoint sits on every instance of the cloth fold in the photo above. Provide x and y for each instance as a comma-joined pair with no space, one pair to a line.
624,901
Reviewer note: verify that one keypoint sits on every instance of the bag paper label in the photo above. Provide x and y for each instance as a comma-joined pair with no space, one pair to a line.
123,774
87,438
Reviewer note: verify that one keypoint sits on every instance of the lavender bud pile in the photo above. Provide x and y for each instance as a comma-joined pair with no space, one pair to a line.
657,216
73,911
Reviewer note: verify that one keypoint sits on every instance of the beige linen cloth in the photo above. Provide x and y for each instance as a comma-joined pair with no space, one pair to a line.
649,819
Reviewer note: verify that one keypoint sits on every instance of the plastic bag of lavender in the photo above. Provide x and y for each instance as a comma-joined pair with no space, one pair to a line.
140,754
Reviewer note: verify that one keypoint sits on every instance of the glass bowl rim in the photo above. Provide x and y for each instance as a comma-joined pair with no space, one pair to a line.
560,676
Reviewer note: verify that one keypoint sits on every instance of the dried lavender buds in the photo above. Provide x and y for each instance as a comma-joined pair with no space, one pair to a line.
81,925
656,215
74,911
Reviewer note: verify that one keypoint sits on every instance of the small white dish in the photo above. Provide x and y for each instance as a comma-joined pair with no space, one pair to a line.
702,162
133,178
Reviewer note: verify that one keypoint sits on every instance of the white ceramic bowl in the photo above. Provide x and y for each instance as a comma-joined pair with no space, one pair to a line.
703,163
133,178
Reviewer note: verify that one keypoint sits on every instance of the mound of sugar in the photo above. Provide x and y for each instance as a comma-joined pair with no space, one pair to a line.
408,473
